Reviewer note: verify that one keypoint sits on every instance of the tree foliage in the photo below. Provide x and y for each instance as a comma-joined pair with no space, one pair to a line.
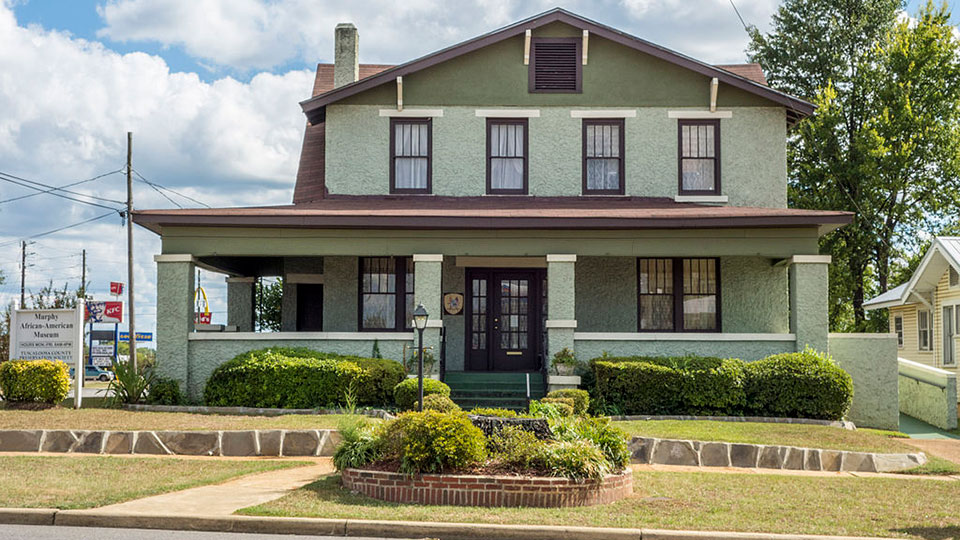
883,142
269,304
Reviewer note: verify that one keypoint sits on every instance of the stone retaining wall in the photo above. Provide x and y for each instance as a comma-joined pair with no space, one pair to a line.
277,442
723,454
471,490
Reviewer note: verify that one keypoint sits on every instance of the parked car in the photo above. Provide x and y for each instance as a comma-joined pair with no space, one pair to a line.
94,373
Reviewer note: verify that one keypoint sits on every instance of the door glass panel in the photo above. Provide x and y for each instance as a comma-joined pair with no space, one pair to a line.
513,313
478,301
948,352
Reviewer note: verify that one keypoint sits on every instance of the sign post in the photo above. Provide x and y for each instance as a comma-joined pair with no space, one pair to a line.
52,334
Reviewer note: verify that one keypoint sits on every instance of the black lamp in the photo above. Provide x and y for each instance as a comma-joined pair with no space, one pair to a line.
420,317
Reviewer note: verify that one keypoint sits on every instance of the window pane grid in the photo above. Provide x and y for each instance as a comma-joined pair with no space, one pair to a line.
698,157
507,155
382,280
602,156
411,155
656,294
690,305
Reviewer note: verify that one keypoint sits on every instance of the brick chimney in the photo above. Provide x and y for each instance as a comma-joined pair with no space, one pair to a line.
346,61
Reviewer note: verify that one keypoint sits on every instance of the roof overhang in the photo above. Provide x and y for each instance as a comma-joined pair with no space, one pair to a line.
796,107
942,254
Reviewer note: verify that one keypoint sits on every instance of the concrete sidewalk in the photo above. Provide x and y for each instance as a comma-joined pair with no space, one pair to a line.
226,498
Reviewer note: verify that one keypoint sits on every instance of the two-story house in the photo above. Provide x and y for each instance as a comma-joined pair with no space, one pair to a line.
556,183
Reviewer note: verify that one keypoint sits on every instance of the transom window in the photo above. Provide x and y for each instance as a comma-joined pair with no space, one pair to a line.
507,156
603,147
678,295
699,157
386,293
924,331
410,155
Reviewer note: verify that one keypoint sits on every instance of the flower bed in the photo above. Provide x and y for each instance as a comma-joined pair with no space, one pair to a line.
476,490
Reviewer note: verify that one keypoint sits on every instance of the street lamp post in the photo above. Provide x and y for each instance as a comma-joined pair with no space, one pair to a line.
420,317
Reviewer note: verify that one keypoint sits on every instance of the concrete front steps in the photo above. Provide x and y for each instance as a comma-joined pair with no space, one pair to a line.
507,390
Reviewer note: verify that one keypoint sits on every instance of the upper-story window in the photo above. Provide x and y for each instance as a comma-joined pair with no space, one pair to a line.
410,155
555,65
386,293
603,157
507,156
699,155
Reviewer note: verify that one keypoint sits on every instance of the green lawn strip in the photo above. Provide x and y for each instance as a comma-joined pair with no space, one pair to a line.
935,466
809,436
119,420
91,481
909,507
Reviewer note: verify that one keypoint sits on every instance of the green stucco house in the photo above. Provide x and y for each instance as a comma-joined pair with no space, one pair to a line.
553,184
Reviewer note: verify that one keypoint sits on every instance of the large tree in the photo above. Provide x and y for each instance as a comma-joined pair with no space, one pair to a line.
883,141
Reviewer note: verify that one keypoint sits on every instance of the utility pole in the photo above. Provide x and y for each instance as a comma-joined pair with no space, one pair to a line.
130,308
23,274
83,274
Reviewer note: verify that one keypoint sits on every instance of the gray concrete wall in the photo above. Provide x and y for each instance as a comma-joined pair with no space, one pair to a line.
752,155
340,294
175,307
928,394
871,359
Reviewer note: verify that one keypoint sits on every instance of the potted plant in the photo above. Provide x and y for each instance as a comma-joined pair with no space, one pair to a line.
564,362
429,361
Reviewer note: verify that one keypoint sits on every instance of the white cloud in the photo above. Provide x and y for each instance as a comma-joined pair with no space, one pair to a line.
260,34
67,104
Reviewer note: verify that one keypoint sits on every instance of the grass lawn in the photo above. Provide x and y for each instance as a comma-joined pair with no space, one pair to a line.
833,438
909,507
116,420
86,482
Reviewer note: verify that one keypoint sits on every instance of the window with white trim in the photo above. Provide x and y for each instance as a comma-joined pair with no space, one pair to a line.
898,328
924,330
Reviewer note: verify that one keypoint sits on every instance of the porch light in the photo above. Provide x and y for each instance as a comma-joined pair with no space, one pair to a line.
420,317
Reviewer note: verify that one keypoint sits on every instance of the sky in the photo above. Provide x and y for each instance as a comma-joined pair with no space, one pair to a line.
210,90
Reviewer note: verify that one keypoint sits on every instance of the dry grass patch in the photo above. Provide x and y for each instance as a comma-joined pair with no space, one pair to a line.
90,481
832,438
117,420
909,507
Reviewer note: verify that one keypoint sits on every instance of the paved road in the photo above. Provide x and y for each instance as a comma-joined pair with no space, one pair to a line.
33,532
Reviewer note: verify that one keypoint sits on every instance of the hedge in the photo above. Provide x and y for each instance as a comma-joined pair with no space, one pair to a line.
406,394
43,381
301,378
800,385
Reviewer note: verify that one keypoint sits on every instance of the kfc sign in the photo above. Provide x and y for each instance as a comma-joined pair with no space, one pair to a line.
105,312
116,288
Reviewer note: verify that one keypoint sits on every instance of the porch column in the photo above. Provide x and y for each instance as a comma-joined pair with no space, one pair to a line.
240,291
561,312
808,300
428,290
175,275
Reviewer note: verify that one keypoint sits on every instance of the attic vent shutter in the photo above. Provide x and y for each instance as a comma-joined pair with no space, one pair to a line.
555,66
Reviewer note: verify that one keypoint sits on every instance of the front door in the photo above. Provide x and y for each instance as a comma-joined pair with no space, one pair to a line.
504,312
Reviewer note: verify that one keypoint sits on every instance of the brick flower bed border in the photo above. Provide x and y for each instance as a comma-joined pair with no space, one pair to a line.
475,490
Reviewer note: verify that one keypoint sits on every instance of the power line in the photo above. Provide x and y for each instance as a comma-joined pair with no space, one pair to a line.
738,14
3,176
46,233
155,185
61,188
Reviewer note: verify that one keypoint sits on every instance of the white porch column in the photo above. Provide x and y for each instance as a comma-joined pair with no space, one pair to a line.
240,294
428,290
561,309
809,290
175,275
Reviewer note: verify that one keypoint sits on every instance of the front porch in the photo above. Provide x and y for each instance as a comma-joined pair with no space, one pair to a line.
743,293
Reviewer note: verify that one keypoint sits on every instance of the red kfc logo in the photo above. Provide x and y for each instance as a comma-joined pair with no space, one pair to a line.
114,310
116,288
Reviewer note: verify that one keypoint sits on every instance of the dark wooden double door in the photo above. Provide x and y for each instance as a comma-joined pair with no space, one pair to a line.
505,315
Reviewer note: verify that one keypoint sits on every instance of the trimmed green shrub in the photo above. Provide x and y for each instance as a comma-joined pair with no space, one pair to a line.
380,376
581,398
41,381
431,441
439,403
638,387
805,384
164,391
568,403
714,388
406,394
550,411
514,446
489,411
273,378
